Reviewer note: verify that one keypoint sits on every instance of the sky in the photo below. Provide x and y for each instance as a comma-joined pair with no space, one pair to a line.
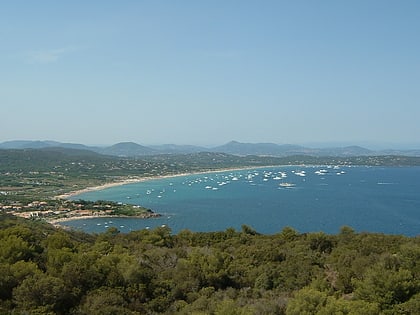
208,72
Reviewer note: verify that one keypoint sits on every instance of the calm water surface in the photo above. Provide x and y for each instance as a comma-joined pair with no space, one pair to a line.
374,199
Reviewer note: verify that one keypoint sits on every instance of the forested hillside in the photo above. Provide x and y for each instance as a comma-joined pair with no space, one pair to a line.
44,270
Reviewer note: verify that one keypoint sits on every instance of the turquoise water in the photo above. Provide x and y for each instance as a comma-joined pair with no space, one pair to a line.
309,199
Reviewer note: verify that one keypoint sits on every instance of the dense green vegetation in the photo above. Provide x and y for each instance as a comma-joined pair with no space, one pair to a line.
44,270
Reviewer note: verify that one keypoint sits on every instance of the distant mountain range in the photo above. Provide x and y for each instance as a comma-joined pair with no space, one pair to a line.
131,149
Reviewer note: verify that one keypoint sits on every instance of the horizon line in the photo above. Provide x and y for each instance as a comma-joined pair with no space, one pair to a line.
370,145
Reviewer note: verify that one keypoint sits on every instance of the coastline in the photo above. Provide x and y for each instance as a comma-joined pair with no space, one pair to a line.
144,179
56,222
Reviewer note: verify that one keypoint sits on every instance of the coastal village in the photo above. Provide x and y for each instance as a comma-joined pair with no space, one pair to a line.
61,210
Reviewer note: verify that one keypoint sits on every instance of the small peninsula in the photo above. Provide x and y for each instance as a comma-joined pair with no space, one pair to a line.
56,211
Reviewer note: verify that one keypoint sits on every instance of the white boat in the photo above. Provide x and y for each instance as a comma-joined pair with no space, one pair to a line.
286,185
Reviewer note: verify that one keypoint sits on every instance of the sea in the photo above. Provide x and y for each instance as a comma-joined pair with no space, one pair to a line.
306,198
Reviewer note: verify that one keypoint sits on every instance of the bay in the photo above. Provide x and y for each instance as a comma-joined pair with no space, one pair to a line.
306,198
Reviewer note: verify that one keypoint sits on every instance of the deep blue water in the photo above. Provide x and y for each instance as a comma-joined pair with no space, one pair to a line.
373,199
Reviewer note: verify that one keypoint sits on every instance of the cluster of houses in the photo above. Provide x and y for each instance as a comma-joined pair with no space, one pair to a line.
42,209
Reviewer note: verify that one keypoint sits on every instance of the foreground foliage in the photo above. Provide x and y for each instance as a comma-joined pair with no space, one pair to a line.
44,270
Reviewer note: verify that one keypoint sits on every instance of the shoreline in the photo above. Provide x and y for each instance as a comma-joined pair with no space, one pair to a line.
56,222
144,179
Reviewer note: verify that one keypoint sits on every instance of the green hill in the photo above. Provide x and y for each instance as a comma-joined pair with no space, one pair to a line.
51,271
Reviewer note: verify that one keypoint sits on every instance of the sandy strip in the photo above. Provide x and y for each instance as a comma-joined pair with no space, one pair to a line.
101,187
59,220
143,179
109,216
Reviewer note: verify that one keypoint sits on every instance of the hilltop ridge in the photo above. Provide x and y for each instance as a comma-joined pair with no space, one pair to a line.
132,149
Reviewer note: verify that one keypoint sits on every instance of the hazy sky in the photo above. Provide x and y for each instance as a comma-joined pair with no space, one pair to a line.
207,72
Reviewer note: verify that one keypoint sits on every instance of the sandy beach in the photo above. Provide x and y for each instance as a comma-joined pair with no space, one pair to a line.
56,222
101,187
143,179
